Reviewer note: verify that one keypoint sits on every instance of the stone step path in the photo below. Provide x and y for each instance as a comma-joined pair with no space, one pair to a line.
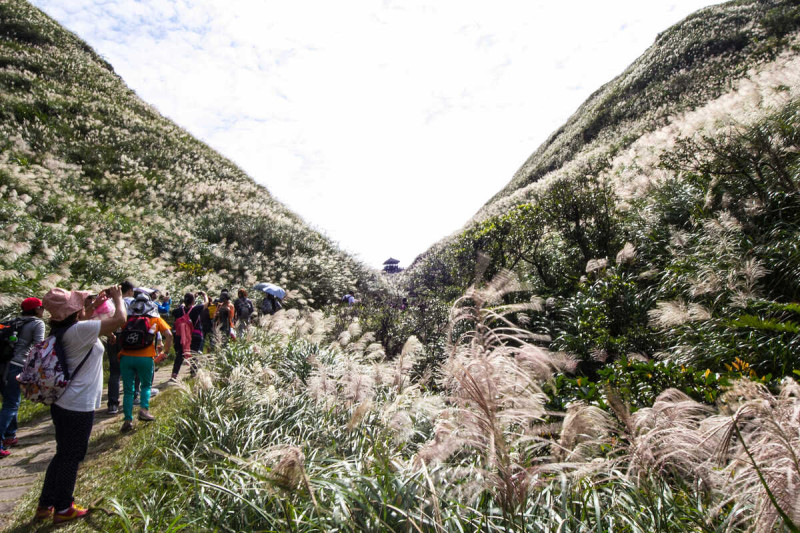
21,470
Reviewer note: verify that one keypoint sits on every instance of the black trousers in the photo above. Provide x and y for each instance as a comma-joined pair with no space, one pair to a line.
196,346
112,350
73,429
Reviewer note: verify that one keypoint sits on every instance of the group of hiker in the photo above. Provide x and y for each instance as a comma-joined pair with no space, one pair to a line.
131,326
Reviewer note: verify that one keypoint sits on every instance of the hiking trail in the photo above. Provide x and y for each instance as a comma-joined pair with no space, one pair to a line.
37,444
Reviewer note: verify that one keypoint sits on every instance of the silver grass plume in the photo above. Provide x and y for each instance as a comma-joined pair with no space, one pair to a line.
667,437
762,460
585,429
748,452
409,356
493,378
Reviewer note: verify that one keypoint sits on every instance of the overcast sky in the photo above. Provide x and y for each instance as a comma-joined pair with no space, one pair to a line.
385,124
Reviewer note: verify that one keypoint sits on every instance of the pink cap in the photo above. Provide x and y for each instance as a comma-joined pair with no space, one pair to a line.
61,303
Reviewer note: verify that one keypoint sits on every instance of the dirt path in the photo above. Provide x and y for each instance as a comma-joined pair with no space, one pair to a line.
20,470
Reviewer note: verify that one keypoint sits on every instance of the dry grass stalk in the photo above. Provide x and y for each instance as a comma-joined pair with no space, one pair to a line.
746,453
493,377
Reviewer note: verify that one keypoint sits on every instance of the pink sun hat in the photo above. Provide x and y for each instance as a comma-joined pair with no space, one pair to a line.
61,303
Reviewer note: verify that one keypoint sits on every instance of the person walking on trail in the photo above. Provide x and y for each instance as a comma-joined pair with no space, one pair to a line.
244,309
30,332
112,351
207,317
138,351
223,319
186,348
270,305
164,302
127,293
73,412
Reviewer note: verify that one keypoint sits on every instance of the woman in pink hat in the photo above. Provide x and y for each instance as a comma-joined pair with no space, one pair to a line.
73,412
30,330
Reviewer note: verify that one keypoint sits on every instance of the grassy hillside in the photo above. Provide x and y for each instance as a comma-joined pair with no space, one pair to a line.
670,232
96,186
691,63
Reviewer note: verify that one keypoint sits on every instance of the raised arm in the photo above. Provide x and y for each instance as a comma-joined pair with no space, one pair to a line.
117,320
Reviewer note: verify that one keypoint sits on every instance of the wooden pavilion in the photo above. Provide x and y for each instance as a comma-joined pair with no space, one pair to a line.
391,266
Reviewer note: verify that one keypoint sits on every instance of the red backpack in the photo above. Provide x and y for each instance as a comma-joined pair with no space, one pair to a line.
183,329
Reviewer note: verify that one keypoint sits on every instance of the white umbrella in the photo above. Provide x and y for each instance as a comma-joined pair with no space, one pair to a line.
272,289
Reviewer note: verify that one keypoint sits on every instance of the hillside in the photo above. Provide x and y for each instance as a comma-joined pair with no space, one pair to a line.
723,68
660,222
97,187
690,64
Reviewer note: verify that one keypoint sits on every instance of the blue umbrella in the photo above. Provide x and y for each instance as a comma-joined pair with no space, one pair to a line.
272,289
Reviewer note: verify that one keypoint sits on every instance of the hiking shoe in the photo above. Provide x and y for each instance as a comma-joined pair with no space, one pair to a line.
4,453
74,511
136,400
10,441
127,426
113,409
145,415
43,513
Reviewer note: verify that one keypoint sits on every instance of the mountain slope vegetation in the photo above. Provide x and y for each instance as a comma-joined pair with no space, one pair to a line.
689,64
97,187
610,345
671,232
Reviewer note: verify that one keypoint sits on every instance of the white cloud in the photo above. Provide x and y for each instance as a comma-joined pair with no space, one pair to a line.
414,113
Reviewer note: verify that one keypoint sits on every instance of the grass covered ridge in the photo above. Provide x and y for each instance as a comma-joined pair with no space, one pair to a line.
96,186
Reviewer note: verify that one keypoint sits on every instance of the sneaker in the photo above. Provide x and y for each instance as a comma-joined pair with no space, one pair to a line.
113,409
154,392
127,426
43,513
4,453
74,511
136,400
145,415
10,441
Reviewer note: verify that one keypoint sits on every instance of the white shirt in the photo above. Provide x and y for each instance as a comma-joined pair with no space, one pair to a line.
85,391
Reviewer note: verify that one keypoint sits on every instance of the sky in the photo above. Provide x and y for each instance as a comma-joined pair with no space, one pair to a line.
384,124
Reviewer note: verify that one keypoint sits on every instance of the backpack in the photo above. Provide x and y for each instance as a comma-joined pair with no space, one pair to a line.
244,308
9,334
183,329
137,334
45,376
